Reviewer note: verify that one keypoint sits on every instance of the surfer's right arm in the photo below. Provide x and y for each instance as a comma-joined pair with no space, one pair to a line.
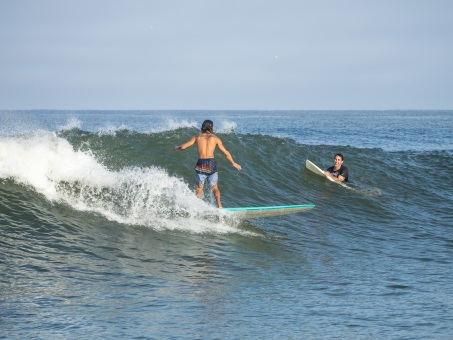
330,176
187,144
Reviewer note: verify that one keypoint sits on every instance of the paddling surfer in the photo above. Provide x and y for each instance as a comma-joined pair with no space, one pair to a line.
338,172
206,167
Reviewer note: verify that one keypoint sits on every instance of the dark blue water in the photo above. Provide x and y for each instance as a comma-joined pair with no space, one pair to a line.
102,236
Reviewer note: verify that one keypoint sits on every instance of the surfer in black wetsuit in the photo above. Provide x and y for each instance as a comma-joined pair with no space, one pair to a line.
338,172
206,167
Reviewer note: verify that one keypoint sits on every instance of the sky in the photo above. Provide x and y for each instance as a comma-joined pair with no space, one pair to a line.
226,55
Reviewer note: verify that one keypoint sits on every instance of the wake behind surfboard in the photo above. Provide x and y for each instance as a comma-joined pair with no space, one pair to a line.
256,212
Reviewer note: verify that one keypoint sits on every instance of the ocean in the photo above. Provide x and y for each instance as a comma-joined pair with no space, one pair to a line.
102,236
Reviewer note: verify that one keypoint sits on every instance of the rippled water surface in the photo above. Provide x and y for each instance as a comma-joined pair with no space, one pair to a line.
102,236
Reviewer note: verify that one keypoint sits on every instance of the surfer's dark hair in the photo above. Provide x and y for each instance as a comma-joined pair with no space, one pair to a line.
207,126
339,155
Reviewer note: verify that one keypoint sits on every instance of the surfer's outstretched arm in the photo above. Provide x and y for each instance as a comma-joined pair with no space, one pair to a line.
187,144
227,154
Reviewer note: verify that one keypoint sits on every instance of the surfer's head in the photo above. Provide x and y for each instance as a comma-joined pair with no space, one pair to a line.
208,126
339,155
338,161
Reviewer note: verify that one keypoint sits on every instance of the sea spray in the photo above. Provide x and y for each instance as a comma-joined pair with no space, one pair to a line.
146,196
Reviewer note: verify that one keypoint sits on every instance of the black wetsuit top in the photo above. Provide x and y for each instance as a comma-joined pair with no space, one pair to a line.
343,171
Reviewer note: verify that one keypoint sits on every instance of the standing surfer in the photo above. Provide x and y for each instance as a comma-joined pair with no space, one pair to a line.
206,167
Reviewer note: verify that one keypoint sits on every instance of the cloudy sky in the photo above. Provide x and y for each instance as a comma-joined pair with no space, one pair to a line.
229,54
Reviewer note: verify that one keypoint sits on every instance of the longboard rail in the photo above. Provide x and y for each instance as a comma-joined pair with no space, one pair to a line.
256,212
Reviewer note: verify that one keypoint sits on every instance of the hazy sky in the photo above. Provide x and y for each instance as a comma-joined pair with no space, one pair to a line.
230,54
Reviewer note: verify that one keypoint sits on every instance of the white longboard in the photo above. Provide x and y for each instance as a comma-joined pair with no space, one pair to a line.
314,168
255,212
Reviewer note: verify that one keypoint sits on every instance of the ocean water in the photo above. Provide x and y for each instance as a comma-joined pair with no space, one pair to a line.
103,237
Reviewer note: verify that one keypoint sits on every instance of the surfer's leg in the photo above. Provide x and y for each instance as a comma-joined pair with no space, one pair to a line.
213,180
199,179
199,190
216,192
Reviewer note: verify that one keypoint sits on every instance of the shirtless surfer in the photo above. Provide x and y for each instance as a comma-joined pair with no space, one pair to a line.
338,172
206,168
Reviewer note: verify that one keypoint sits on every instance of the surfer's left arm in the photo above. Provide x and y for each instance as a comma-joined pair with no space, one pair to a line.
338,179
227,154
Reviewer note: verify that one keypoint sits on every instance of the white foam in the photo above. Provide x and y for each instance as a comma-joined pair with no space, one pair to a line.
73,123
111,129
225,126
138,196
172,124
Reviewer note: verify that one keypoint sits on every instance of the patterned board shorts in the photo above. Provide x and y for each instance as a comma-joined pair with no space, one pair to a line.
206,169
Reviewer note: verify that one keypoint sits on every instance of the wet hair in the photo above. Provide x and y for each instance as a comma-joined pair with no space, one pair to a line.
207,126
339,155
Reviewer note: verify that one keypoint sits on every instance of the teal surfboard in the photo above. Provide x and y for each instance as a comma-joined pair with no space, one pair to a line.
256,212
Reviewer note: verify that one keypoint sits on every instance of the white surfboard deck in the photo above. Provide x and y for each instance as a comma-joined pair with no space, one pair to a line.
314,168
256,212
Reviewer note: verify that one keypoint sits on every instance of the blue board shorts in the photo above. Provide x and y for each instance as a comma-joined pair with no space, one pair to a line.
212,179
206,169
